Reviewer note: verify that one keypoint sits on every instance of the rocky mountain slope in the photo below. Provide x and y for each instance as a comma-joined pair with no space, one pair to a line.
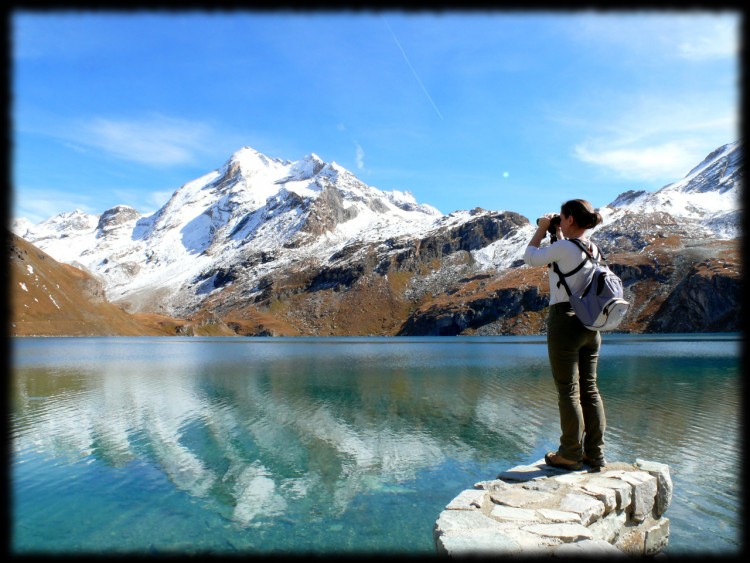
268,246
52,299
677,251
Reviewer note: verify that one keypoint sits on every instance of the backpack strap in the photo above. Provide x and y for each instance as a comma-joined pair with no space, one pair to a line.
561,277
589,256
582,246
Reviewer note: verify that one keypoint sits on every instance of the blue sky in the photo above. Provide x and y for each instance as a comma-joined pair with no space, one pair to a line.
500,110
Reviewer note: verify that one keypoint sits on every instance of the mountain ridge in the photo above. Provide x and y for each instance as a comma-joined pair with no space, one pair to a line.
306,238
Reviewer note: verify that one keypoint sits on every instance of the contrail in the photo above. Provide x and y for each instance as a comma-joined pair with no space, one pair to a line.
414,72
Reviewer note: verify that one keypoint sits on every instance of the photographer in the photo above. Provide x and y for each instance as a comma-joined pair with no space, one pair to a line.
573,349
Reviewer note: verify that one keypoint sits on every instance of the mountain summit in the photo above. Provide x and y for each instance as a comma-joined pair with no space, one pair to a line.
708,197
251,206
270,246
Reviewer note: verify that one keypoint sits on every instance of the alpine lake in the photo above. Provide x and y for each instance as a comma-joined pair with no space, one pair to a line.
339,445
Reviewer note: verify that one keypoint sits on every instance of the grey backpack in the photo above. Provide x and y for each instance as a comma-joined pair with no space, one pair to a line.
599,304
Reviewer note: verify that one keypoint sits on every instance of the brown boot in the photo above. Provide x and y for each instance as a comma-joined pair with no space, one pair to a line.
556,460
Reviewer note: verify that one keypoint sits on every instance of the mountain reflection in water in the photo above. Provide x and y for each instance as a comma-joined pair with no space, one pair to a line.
262,433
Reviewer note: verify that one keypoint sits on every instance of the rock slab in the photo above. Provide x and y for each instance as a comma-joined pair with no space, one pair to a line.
540,510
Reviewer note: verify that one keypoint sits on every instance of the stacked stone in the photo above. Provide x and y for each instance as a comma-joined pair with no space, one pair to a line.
540,510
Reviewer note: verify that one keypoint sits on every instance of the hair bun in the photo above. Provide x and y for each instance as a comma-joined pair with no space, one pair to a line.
596,219
583,213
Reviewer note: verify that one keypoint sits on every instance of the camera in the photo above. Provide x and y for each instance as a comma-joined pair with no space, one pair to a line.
553,223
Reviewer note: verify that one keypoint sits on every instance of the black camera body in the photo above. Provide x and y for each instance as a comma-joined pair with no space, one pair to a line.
553,224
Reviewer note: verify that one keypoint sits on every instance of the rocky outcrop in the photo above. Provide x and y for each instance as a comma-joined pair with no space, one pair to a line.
632,232
542,511
327,211
112,218
481,310
706,300
673,284
484,228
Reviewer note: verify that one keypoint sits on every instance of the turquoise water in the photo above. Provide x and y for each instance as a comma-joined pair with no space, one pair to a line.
338,445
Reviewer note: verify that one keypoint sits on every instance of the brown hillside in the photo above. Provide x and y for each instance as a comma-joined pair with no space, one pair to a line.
48,298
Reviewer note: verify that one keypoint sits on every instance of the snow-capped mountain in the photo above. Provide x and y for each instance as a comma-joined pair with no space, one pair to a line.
707,198
308,245
253,205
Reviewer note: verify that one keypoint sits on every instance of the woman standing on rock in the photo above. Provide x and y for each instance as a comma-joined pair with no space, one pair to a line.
573,349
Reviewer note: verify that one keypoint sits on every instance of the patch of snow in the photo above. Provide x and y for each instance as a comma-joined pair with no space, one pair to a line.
255,204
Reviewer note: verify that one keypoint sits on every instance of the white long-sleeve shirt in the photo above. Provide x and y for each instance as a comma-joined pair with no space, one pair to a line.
568,256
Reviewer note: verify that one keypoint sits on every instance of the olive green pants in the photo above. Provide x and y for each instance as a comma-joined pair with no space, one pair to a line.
573,355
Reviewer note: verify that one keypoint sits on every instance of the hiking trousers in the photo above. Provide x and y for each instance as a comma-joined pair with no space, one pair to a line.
573,355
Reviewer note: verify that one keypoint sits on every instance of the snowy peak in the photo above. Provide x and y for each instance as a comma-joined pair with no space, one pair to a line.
249,161
118,215
257,219
707,197
252,205
20,226
304,169
720,171
66,224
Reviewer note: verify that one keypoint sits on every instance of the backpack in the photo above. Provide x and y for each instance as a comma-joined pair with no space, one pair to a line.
600,304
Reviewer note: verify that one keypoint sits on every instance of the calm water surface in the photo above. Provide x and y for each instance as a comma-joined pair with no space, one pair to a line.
339,445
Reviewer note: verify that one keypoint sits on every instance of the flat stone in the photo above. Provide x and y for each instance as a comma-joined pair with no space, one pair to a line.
548,485
477,543
526,472
606,495
518,497
461,520
657,537
566,532
587,507
531,543
509,513
644,493
651,466
552,515
493,485
620,466
588,548
571,477
623,490
663,483
470,499
608,528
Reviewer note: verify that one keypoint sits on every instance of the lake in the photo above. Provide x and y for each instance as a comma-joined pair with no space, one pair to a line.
339,445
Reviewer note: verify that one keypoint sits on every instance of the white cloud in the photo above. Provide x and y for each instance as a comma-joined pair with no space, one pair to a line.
360,156
696,36
670,160
654,139
718,38
156,140
159,199
152,139
40,204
